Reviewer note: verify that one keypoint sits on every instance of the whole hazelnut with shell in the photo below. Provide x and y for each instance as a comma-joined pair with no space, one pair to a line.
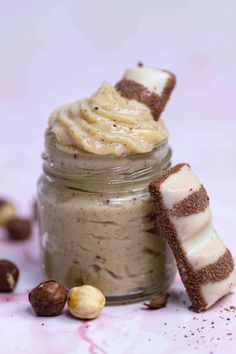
48,298
9,274
19,229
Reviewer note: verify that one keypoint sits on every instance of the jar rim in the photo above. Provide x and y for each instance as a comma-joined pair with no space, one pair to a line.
86,168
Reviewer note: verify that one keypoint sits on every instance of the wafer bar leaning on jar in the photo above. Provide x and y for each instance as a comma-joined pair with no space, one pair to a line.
205,264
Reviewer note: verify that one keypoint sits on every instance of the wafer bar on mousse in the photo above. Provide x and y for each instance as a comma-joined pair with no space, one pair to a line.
151,87
181,205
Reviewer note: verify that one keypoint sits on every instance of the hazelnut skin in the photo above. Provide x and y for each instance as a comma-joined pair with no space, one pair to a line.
9,274
19,229
48,298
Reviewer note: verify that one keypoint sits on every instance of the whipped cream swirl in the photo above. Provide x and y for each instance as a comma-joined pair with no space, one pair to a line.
106,124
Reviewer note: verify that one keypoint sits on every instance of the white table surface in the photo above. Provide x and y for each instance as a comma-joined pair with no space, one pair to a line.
119,329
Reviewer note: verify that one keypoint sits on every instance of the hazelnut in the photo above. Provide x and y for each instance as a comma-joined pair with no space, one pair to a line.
157,301
7,211
19,229
48,298
85,302
9,274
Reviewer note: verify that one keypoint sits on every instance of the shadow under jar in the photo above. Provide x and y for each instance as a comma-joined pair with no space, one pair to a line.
96,222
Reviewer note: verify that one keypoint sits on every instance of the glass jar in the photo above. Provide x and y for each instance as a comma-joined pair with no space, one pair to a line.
96,222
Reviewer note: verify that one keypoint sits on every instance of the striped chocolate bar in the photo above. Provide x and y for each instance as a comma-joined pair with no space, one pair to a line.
181,205
151,87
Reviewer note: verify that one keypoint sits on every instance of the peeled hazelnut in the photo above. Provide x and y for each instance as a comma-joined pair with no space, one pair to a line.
48,298
19,229
7,211
9,274
85,301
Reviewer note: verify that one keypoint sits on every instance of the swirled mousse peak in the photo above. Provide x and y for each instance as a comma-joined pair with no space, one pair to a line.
109,122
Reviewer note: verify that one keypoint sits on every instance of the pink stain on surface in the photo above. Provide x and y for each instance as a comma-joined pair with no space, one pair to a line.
93,347
6,297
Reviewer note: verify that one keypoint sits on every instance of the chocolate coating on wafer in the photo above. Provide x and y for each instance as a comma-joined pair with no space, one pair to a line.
196,202
133,90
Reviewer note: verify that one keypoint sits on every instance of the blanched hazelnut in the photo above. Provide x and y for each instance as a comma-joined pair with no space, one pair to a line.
85,302
48,298
7,211
9,274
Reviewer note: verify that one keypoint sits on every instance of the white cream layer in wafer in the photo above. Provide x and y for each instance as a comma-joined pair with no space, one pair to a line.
155,80
212,292
188,226
178,186
204,248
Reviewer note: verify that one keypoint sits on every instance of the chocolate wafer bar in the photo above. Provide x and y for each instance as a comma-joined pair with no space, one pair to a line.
181,205
151,87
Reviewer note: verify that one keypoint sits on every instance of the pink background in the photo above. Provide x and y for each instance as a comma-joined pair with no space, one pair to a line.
53,52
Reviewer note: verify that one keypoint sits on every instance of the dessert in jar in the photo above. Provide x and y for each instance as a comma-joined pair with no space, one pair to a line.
95,213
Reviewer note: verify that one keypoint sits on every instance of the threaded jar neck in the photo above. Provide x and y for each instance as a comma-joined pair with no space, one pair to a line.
78,169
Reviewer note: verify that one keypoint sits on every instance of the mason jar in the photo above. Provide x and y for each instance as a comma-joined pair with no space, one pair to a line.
97,225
